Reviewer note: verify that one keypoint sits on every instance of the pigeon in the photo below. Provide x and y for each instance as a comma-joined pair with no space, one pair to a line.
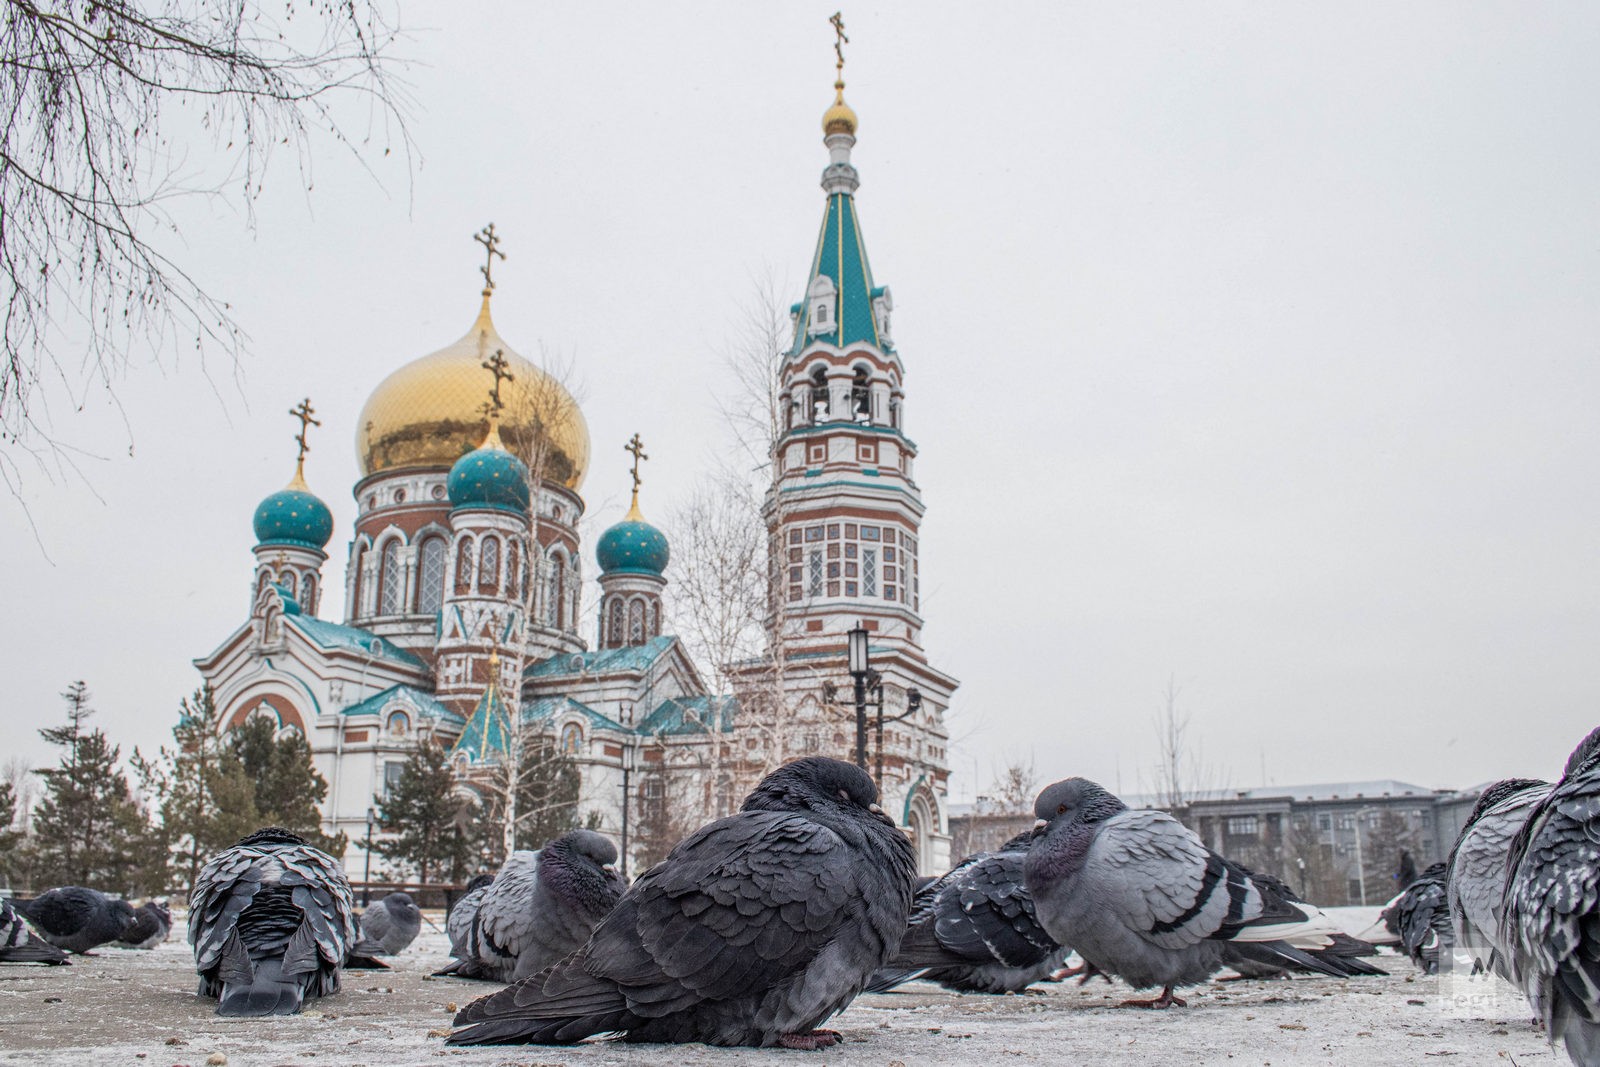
77,919
542,906
1420,918
1140,897
752,931
271,921
152,923
18,944
1478,869
461,924
392,923
973,930
1551,906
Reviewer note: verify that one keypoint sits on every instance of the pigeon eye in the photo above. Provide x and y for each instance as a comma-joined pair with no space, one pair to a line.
1061,810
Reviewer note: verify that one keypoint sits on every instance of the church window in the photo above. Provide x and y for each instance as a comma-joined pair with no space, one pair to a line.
888,555
261,583
833,531
399,496
816,573
287,580
489,564
430,576
655,620
851,571
889,593
850,589
833,588
795,555
819,395
869,533
794,592
636,623
614,624
850,550
392,770
794,537
869,571
389,579
557,584
795,574
464,566
437,492
833,570
512,569
888,574
860,396
833,551
571,738
813,533
308,592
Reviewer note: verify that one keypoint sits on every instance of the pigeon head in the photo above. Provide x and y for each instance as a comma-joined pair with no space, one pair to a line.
273,835
596,848
1585,757
122,914
818,784
1076,800
478,882
400,903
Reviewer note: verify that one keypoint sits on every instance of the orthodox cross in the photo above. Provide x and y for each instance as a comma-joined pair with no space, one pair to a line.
496,365
635,446
303,412
491,245
840,40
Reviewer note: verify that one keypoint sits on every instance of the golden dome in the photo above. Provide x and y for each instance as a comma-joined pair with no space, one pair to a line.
430,412
840,118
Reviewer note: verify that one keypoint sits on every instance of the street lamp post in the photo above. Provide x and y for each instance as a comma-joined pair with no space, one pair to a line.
366,889
627,770
856,648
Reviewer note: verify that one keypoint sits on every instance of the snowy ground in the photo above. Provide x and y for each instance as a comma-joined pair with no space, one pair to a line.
129,1007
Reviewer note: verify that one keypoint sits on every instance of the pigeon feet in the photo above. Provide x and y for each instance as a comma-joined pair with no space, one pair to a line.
1165,1000
1082,973
811,1042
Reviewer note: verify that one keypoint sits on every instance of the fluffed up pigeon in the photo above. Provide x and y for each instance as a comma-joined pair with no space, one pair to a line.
752,931
1420,917
1140,897
271,921
392,923
461,924
541,906
76,918
18,944
1477,880
974,931
151,925
1552,906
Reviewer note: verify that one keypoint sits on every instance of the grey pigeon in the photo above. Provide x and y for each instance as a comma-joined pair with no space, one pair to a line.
1140,897
752,931
392,923
76,918
1552,906
271,921
542,906
1420,918
18,944
1477,880
973,930
152,923
461,923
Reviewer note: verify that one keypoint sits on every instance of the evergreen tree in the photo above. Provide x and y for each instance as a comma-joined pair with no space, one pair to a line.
10,869
88,830
286,787
547,790
434,829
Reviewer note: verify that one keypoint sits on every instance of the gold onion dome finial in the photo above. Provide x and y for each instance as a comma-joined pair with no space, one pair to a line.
840,118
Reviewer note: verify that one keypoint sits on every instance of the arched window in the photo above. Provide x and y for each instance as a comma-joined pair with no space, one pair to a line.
636,623
861,396
261,582
464,566
389,591
571,738
489,564
308,592
513,568
655,620
819,395
614,623
286,579
552,593
430,575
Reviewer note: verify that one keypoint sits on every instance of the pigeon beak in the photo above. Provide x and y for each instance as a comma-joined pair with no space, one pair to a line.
1038,827
879,813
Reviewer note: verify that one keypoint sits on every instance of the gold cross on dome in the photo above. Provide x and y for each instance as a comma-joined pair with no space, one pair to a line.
840,40
491,246
303,411
635,446
496,365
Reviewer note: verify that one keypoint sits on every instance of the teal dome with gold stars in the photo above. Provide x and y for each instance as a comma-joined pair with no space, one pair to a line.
294,515
633,546
489,477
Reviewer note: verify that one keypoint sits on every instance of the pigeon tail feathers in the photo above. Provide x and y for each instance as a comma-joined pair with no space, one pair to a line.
269,993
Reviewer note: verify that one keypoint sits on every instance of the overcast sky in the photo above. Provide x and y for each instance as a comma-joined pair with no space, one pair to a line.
1247,346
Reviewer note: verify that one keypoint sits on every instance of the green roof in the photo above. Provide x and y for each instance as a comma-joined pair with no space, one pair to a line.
424,703
842,256
546,708
487,733
351,639
602,660
688,715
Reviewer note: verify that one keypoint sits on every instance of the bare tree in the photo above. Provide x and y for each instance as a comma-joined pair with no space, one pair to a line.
18,774
89,165
1181,774
1017,784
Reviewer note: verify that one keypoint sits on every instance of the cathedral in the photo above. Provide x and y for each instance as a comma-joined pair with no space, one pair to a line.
464,577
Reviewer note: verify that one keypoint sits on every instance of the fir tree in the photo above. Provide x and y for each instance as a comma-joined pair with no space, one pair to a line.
286,787
433,829
88,830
